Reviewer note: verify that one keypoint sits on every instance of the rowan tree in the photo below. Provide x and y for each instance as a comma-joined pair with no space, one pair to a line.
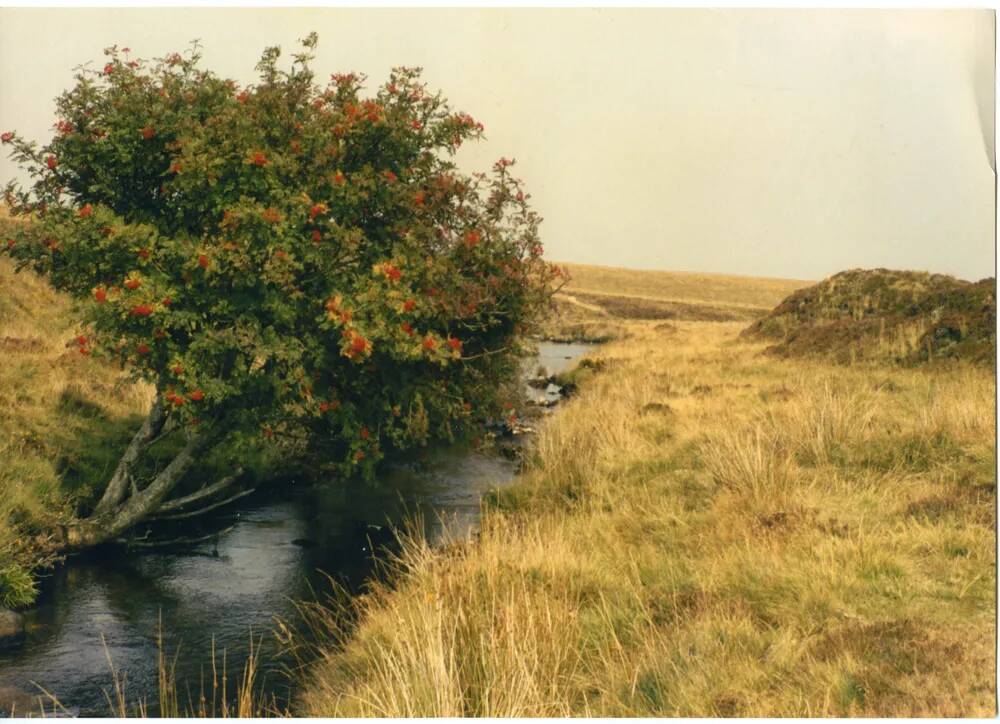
299,261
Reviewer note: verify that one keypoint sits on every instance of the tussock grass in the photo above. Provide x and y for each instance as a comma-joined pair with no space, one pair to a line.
707,531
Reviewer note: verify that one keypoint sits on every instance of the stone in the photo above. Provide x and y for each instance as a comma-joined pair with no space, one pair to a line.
11,629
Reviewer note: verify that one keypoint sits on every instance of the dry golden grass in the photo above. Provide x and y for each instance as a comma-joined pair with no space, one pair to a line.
225,694
704,531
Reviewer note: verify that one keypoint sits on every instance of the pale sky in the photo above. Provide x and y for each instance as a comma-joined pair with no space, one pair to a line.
785,143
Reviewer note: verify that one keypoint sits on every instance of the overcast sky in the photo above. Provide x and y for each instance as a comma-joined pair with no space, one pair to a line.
786,143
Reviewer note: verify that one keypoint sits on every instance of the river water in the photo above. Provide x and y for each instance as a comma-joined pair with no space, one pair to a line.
95,610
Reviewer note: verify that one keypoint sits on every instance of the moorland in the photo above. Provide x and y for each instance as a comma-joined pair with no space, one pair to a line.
714,524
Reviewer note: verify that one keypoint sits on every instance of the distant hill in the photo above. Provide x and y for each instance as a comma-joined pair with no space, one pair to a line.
907,317
759,294
598,300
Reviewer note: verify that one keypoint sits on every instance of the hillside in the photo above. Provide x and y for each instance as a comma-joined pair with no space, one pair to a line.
902,316
64,418
596,300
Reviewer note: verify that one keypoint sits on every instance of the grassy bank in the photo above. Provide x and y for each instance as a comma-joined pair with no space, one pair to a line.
64,420
708,531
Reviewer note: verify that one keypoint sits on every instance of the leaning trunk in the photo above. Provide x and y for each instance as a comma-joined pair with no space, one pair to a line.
115,519
118,486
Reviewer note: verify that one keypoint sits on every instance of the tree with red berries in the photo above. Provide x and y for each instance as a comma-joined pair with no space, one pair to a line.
295,262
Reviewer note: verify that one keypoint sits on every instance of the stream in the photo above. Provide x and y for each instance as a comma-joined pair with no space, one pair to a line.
95,609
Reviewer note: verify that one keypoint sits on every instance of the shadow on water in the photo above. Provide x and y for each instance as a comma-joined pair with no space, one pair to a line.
279,551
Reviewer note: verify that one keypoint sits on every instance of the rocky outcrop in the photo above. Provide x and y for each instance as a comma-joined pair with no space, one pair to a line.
902,316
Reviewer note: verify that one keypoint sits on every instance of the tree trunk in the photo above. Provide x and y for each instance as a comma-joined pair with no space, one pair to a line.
119,483
116,519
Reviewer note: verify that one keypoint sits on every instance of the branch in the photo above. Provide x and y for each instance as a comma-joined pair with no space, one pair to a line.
558,289
488,353
206,492
202,511
168,427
